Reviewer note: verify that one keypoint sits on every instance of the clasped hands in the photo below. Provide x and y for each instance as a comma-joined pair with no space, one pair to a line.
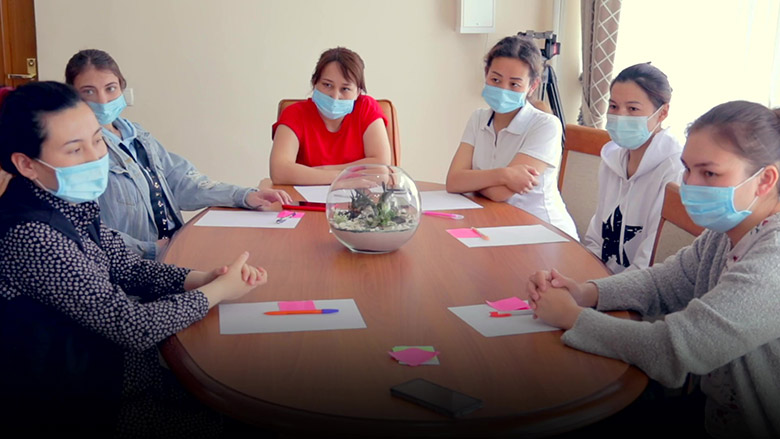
227,282
557,299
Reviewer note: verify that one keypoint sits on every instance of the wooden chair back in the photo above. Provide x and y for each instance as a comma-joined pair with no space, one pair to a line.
392,125
578,174
675,229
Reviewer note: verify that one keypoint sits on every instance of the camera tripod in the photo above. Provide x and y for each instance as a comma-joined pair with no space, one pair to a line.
549,81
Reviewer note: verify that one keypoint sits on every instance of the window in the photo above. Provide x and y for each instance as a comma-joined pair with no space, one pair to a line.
713,51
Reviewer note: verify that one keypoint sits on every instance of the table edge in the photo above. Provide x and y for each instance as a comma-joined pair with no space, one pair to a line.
537,423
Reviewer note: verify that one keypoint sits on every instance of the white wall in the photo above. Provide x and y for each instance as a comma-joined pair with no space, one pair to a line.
207,75
568,65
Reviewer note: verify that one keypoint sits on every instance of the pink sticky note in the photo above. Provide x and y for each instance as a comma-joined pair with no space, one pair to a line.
414,356
285,213
463,233
300,305
509,304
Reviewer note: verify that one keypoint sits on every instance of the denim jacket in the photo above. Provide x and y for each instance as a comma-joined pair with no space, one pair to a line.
126,206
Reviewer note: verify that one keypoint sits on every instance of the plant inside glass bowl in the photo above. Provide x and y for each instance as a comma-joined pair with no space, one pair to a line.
380,210
373,211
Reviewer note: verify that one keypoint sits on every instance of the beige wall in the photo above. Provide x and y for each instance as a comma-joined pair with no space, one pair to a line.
568,64
207,75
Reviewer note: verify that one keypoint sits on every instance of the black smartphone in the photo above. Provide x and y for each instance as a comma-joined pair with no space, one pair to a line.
436,397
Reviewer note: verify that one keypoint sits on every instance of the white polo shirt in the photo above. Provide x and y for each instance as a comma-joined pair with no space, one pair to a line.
536,134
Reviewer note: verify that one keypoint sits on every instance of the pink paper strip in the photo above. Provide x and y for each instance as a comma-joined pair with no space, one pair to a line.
413,356
509,304
297,305
463,233
287,213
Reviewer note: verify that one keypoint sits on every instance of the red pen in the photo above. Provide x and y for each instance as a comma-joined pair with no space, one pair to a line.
317,207
516,312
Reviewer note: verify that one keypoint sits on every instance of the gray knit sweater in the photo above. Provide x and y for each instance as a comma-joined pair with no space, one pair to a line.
722,322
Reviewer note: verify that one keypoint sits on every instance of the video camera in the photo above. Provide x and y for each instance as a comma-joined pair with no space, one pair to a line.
551,45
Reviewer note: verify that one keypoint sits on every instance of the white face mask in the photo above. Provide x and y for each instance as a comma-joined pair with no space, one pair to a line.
630,132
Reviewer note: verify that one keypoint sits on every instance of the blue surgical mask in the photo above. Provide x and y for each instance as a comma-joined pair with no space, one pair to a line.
713,207
332,108
108,112
80,183
630,132
502,100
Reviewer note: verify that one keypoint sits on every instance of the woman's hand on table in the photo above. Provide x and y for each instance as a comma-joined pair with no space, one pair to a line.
196,279
556,307
558,299
585,294
265,197
231,281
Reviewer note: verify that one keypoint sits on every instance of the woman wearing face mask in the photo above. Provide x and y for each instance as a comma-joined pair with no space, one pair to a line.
635,167
148,186
511,151
719,295
79,354
339,126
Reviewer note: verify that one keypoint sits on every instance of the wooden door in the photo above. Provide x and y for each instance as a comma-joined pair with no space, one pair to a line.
18,49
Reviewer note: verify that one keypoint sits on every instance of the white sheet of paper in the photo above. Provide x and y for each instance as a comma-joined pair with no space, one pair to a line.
478,317
513,235
248,318
245,218
442,200
316,194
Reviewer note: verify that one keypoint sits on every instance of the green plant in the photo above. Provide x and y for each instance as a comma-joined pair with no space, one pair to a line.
376,210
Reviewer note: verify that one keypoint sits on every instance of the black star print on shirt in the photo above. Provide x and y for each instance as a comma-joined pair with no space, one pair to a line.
610,233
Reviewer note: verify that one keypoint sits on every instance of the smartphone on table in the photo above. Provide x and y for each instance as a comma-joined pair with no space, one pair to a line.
436,397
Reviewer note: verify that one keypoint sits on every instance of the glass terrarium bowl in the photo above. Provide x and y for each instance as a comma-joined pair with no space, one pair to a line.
373,208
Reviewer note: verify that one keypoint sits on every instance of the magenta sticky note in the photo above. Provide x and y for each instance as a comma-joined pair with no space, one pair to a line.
286,213
413,356
300,305
463,233
509,304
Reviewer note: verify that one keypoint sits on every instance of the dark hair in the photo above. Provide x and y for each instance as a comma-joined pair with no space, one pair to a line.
517,47
350,63
751,130
650,79
98,59
22,114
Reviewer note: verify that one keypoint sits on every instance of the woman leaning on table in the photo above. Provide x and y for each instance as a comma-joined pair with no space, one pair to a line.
79,353
148,186
510,152
719,295
339,126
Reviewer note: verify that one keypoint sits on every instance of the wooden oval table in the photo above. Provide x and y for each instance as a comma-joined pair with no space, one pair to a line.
337,382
